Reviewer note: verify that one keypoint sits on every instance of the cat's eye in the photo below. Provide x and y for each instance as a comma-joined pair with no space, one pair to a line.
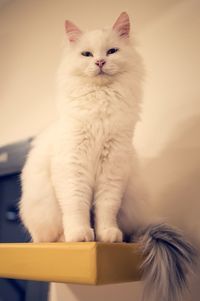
86,53
112,50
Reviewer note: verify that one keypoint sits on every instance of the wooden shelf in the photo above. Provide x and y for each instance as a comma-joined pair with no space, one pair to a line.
82,263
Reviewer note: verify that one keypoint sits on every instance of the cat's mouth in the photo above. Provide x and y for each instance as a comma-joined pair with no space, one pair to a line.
101,72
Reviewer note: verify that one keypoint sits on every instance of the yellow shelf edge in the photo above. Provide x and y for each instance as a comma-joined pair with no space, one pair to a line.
82,262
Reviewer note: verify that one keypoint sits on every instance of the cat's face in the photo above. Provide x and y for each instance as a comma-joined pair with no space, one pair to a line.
99,55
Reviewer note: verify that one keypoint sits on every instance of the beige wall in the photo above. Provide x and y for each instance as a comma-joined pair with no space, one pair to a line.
167,138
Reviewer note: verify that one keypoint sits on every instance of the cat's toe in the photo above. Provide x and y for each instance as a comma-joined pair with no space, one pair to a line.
79,234
110,235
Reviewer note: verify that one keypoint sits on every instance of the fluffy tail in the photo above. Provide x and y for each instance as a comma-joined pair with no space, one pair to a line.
168,258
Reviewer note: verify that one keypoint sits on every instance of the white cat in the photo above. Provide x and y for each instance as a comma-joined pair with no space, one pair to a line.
86,161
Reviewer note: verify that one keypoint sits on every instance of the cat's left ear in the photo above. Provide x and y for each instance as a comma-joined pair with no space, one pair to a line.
72,31
122,25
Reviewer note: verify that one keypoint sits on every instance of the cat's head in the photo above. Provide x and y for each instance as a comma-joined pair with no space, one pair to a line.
99,56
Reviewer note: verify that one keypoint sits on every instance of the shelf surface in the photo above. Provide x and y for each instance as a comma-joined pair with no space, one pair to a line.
82,263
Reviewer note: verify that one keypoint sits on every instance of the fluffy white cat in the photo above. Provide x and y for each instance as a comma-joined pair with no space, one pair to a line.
86,161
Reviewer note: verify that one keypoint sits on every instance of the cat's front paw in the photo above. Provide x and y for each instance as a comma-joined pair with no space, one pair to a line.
112,234
79,234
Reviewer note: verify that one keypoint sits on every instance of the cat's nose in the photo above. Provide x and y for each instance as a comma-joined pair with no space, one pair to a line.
100,63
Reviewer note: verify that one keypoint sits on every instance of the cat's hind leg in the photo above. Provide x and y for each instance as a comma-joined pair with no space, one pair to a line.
39,210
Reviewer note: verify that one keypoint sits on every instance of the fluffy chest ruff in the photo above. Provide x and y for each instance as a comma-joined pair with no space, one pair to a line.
97,125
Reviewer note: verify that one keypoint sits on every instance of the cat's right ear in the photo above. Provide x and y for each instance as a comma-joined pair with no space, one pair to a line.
72,31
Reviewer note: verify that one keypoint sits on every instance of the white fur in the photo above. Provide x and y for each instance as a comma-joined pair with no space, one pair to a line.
86,160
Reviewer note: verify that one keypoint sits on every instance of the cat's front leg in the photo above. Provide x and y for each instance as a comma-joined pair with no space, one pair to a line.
108,197
107,205
74,193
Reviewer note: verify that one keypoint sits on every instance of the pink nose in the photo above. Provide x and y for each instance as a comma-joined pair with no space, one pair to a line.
100,63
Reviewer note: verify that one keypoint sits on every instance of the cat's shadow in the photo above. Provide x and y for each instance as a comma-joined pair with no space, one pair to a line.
173,178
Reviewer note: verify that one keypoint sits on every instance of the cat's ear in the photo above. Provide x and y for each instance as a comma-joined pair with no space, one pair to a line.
122,25
72,31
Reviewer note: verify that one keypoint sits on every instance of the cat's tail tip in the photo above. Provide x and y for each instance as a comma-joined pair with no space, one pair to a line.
168,259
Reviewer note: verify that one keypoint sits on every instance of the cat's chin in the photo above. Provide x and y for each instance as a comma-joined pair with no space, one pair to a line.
101,79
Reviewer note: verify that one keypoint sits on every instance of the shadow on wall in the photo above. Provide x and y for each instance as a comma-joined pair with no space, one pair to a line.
173,180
